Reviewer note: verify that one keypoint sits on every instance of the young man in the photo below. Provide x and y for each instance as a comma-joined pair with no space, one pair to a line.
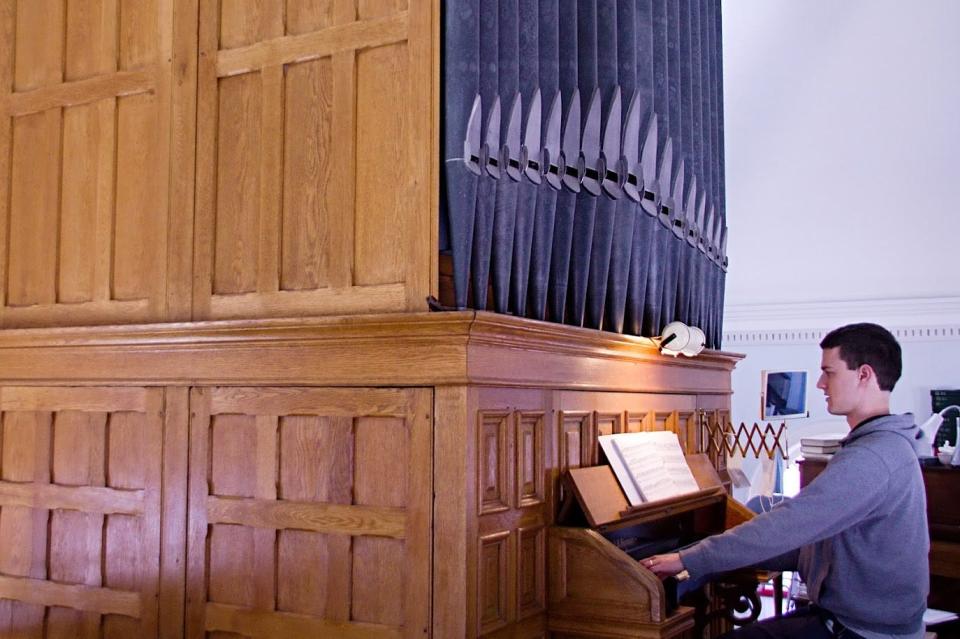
858,532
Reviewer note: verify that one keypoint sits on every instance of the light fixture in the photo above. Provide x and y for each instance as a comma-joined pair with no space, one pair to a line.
678,338
927,435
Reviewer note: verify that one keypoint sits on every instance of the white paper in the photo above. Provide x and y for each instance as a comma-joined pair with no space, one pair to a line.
650,466
933,616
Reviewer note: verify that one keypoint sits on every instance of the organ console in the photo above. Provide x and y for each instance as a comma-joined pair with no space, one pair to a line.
597,585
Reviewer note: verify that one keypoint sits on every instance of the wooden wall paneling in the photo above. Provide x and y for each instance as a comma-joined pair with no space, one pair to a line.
309,198
86,169
341,545
516,463
80,511
455,518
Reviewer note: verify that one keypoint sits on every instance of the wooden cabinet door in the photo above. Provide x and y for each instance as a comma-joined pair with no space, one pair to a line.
316,163
80,495
96,181
309,512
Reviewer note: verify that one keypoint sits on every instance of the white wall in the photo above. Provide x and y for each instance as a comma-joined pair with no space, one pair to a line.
842,127
842,134
843,178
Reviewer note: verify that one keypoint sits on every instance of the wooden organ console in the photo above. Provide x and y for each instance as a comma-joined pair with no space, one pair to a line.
599,588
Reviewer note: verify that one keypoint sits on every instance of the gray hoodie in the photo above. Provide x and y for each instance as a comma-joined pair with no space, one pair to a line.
857,533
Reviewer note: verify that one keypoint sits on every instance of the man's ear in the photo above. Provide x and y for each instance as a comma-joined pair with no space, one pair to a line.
865,373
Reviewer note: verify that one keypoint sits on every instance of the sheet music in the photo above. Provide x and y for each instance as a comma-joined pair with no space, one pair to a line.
650,466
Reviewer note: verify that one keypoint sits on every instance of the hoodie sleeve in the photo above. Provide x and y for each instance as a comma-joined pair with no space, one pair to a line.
850,487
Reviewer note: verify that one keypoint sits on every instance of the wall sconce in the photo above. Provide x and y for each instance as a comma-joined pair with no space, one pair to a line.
677,338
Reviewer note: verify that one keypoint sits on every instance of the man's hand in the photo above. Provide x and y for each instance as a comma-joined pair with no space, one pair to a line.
663,565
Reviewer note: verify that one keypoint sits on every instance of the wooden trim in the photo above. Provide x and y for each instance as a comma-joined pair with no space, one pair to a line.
8,29
419,566
88,499
152,504
265,539
99,311
415,349
366,299
343,139
197,525
309,46
157,281
379,521
271,178
453,470
267,625
113,85
47,593
205,195
173,536
336,402
183,155
53,398
423,124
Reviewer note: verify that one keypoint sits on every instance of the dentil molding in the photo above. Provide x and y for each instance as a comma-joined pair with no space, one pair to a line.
910,319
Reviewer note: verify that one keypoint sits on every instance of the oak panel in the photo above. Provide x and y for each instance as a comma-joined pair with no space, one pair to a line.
88,134
79,538
308,159
309,506
383,174
238,184
309,198
305,16
531,571
494,580
86,162
34,207
531,453
494,463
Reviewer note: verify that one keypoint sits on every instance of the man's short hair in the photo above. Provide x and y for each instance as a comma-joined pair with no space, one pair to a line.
870,344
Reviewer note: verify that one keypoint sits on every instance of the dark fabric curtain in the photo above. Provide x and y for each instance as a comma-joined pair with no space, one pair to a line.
583,161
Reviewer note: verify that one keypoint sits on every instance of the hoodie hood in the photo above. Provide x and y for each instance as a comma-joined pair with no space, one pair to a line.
902,425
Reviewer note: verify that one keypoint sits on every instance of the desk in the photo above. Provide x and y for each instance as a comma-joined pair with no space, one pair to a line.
943,518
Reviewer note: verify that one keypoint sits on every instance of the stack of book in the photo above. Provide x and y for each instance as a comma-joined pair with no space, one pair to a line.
819,447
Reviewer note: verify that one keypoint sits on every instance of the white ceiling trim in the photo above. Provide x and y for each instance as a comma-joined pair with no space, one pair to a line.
910,319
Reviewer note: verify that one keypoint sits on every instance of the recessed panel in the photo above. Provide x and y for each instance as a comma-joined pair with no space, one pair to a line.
493,462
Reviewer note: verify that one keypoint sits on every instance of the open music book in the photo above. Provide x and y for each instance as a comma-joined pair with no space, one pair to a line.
649,466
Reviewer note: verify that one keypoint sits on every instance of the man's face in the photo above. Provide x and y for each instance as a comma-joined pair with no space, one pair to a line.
840,384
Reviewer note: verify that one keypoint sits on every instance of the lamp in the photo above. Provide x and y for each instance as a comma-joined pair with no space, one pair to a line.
678,338
928,434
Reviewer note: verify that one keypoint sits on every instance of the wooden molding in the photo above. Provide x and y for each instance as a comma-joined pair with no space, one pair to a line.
406,349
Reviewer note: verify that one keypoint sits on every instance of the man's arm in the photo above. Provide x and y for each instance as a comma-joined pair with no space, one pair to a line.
670,564
851,486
